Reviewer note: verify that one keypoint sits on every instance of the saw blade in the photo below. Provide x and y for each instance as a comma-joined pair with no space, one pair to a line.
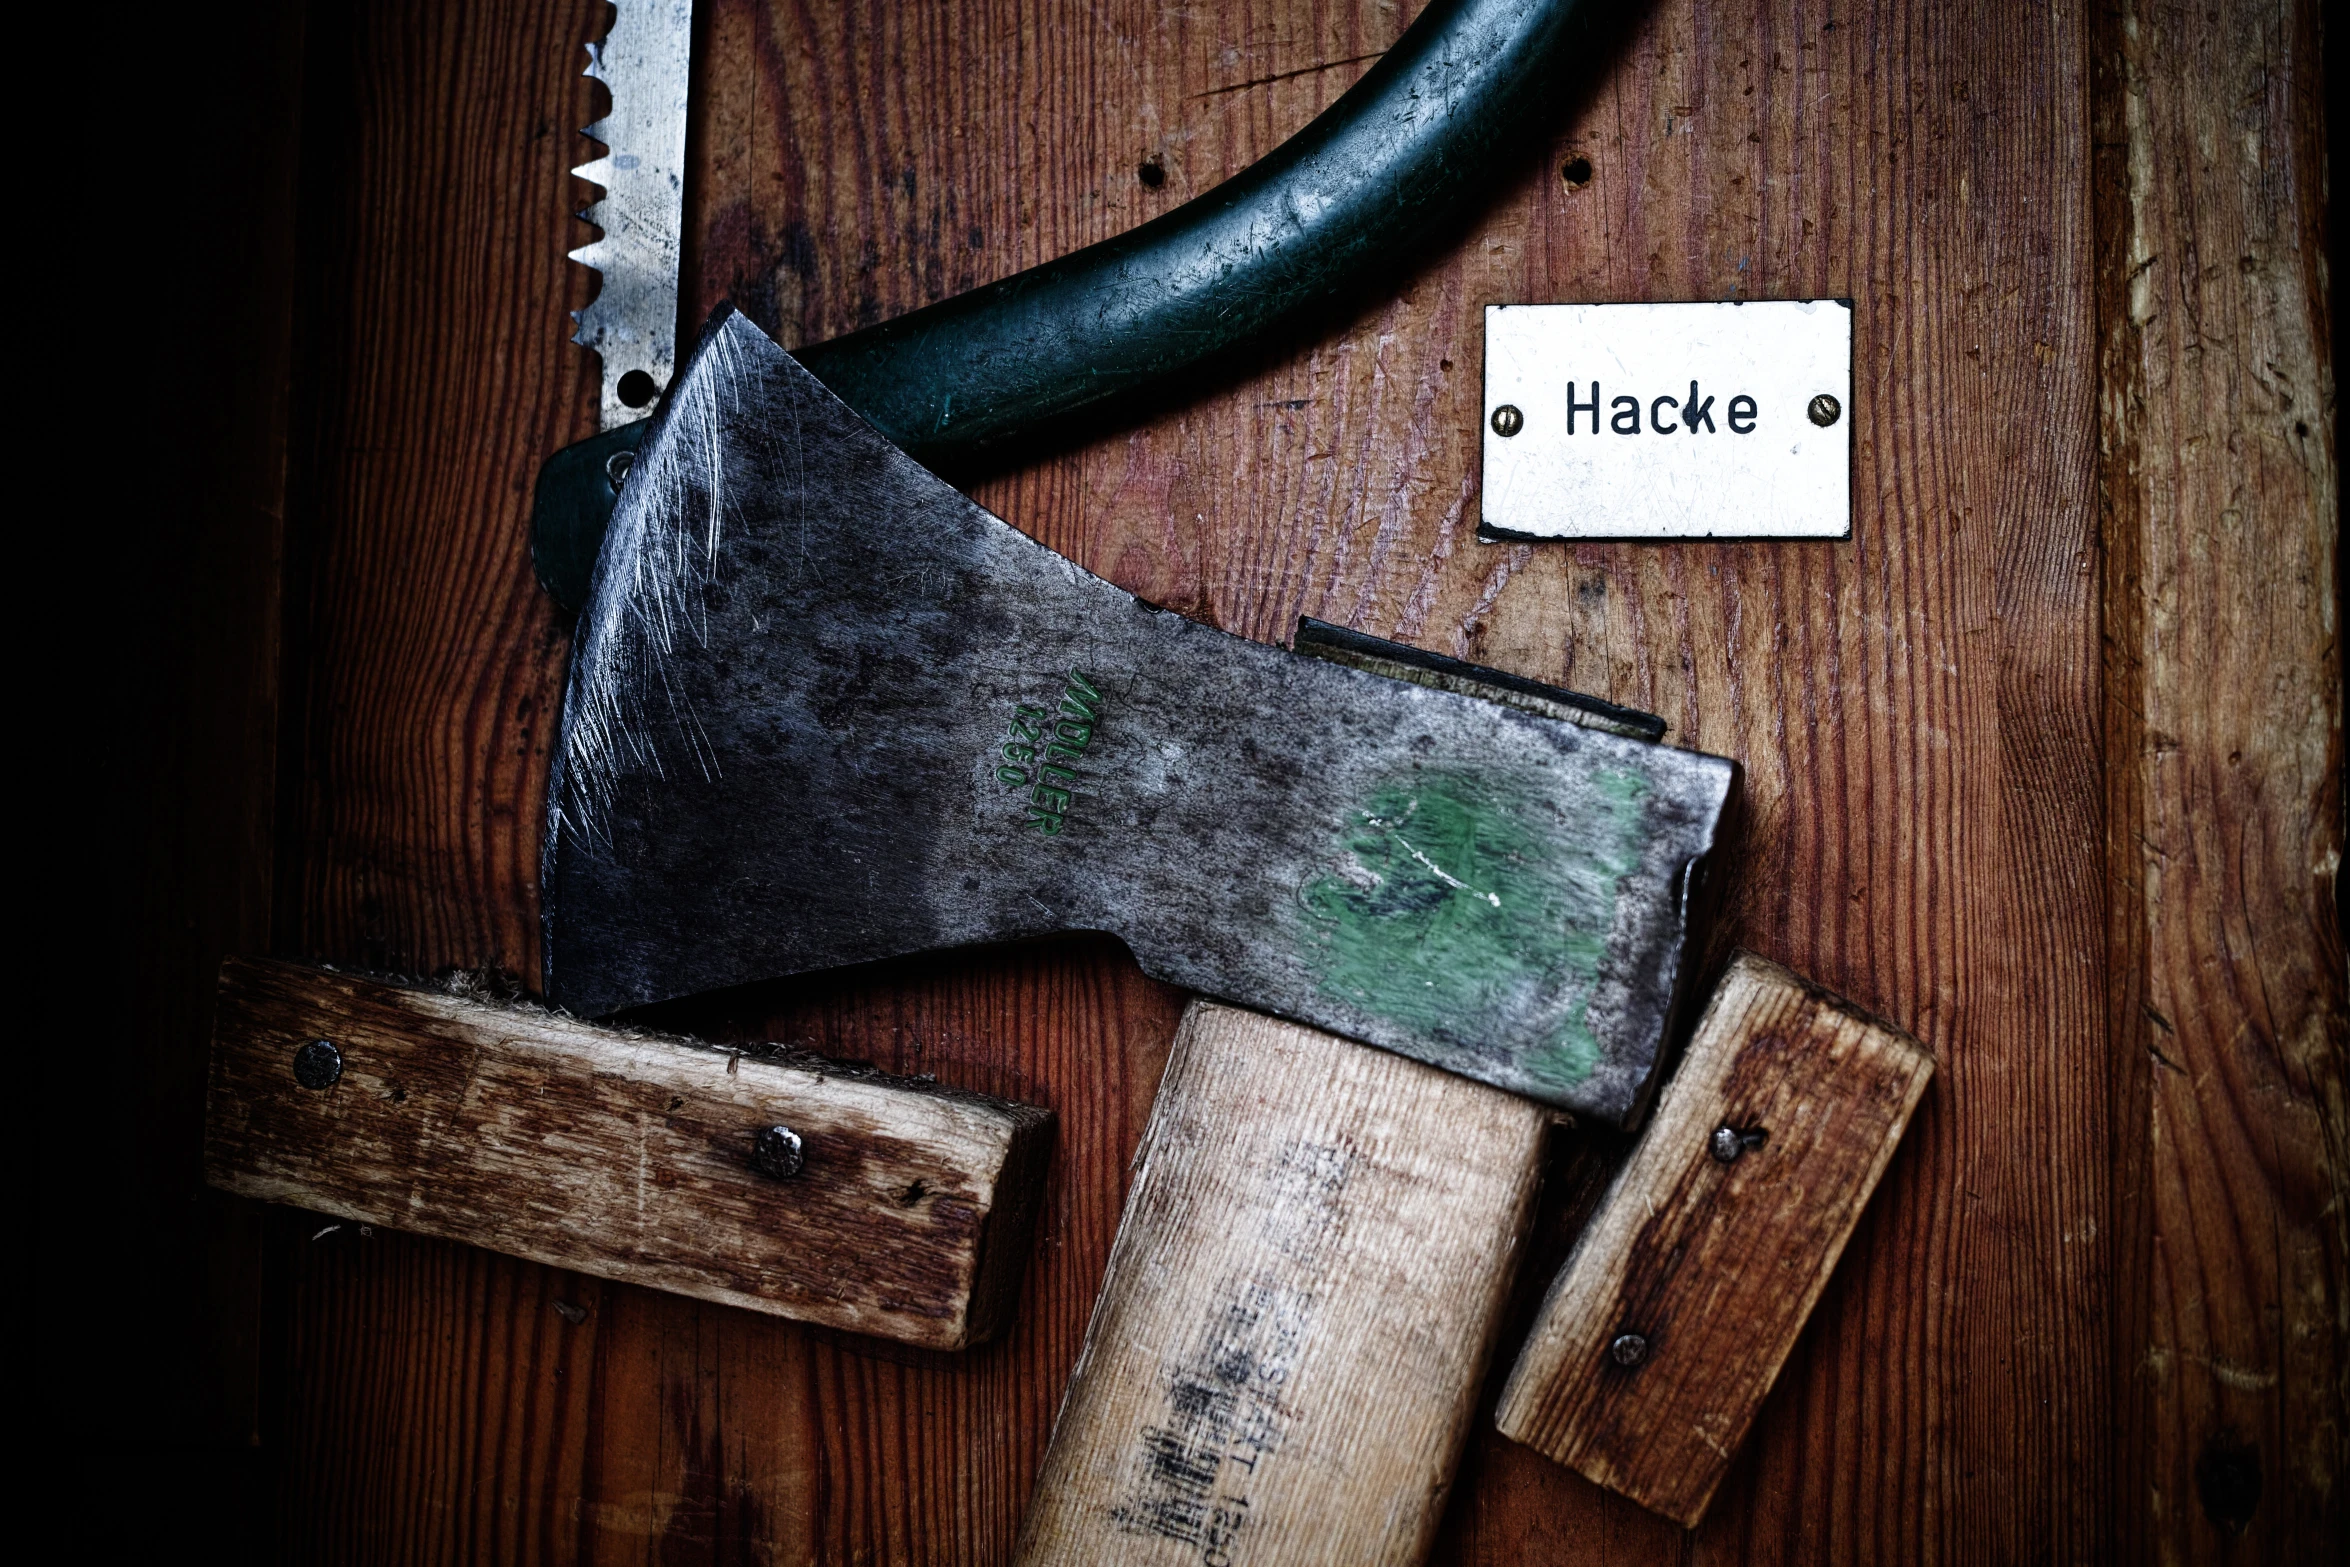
632,324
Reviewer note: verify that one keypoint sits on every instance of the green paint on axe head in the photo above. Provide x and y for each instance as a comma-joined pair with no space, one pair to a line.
1456,897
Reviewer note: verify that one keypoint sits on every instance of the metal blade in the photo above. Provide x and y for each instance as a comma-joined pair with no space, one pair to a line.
632,325
826,710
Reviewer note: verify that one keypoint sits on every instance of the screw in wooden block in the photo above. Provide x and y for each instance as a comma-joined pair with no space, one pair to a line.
1629,1349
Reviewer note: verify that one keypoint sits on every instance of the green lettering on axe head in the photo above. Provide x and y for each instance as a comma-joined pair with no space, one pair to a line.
1080,699
1061,739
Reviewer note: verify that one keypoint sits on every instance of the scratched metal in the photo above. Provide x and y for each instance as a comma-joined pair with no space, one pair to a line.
824,710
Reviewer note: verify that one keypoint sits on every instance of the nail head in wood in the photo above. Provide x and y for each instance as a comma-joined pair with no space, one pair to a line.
318,1064
778,1153
1728,1144
1629,1349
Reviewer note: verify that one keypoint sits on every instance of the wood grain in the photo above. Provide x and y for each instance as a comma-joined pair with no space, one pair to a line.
1931,739
1714,1265
906,1214
1317,1246
2224,783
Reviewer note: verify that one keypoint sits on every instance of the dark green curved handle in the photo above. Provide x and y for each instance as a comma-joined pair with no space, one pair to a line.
1402,157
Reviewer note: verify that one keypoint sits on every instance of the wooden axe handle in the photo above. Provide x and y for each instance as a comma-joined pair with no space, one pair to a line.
1288,1346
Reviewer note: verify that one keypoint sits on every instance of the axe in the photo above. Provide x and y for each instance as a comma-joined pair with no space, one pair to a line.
824,710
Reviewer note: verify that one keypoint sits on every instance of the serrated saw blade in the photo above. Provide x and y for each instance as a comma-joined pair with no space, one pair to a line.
632,324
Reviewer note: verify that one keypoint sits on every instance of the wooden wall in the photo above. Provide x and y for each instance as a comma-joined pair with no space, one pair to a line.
2044,764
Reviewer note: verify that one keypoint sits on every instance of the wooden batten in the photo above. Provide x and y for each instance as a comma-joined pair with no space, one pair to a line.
1671,1319
627,1156
1286,1353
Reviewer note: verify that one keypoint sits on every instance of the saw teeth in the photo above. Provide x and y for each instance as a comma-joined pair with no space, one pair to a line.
631,324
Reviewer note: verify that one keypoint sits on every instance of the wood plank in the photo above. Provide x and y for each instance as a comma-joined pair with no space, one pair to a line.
1298,1310
423,664
1668,1325
897,1208
2224,783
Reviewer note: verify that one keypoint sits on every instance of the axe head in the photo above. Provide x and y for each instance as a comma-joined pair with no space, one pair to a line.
823,709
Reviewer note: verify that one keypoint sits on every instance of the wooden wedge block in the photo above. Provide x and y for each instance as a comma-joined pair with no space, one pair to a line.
627,1156
1286,1353
1688,1288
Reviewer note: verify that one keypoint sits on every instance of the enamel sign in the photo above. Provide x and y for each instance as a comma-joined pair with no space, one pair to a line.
1710,421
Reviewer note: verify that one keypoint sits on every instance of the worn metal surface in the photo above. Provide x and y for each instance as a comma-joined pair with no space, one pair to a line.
825,709
632,323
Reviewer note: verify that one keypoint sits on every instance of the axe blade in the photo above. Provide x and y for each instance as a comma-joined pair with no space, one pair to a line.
824,709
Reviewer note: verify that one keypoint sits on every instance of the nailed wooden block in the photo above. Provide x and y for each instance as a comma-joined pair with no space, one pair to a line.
1671,1319
628,1156
1289,1341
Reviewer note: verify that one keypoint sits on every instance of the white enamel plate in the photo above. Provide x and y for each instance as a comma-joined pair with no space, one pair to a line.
1669,421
